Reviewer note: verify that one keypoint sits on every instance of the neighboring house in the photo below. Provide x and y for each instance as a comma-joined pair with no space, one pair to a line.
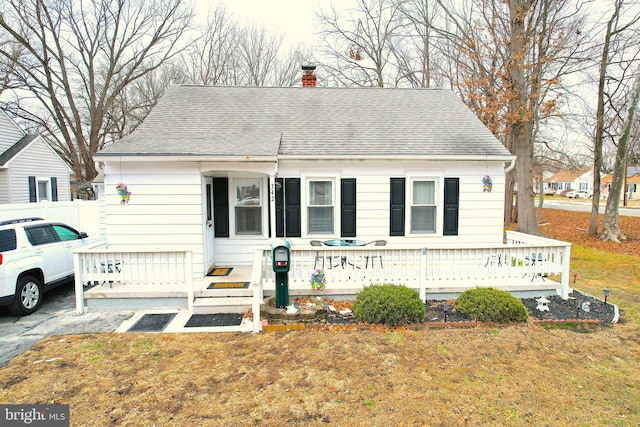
633,184
570,179
223,170
30,171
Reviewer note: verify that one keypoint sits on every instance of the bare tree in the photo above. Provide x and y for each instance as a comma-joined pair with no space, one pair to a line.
8,63
416,47
79,56
618,37
611,230
212,57
510,60
359,46
228,54
131,105
286,70
258,50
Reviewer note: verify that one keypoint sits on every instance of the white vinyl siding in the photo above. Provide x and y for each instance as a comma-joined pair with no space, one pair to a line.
38,160
165,210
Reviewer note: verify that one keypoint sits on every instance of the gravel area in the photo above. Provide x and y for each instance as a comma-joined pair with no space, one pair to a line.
559,309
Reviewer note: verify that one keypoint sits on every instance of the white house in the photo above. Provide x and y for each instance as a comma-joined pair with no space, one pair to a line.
570,179
216,174
30,171
632,181
224,169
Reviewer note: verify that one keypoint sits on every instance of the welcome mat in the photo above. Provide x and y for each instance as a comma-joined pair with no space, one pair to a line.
220,271
155,322
228,285
217,319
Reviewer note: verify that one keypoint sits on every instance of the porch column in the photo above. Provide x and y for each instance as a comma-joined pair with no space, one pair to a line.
272,205
566,261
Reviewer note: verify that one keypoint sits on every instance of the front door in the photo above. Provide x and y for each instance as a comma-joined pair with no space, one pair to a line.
209,228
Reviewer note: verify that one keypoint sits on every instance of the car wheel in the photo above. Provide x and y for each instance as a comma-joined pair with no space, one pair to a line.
28,296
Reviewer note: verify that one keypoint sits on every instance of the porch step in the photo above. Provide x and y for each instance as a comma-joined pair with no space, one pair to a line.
210,305
212,293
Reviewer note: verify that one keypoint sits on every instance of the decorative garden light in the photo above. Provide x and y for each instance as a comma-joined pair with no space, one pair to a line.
606,294
445,307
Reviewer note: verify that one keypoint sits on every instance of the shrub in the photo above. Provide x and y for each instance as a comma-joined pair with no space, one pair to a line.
389,304
492,305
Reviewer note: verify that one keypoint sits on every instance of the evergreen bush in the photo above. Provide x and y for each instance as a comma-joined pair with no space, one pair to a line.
389,304
491,305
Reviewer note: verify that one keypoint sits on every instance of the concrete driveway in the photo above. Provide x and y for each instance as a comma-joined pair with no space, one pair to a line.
56,316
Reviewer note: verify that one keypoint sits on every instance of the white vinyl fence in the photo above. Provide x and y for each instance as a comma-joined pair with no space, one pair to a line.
83,215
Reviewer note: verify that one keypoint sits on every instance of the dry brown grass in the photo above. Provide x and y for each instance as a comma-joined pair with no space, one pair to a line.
519,375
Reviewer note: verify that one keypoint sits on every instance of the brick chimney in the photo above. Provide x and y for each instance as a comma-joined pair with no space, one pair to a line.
308,78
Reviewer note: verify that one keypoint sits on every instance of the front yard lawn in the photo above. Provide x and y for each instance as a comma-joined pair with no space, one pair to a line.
516,375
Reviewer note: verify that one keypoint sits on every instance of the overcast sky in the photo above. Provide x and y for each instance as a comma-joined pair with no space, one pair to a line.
296,18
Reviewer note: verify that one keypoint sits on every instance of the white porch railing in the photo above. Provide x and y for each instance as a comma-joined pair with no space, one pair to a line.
100,264
521,260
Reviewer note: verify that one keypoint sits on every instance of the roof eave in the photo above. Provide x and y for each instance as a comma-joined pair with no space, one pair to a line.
181,157
501,158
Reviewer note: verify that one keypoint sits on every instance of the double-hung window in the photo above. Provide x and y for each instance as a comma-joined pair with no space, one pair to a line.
423,206
320,207
248,206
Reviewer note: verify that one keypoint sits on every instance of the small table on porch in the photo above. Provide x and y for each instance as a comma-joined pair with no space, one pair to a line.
344,242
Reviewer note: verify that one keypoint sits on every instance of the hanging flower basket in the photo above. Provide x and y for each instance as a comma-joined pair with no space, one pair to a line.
487,184
124,193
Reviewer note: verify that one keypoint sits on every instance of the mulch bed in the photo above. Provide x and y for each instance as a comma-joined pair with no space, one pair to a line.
559,310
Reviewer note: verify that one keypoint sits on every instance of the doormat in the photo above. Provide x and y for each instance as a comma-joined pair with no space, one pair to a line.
217,319
155,322
228,285
220,271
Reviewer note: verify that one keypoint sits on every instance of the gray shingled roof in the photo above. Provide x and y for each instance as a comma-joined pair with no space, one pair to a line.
16,148
224,121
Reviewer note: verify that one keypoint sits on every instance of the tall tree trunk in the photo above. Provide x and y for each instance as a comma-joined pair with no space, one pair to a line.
521,128
611,230
597,143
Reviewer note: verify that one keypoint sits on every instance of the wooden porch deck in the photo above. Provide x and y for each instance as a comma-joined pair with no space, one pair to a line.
524,265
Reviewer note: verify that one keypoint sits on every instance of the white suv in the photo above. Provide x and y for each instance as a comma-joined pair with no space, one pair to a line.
35,256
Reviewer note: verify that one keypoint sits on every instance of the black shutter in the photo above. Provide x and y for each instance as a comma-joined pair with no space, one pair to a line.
293,227
348,207
221,207
279,207
451,203
54,189
396,223
33,197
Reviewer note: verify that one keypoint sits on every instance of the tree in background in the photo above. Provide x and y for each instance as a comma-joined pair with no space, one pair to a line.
510,61
78,58
357,49
611,230
619,52
224,53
